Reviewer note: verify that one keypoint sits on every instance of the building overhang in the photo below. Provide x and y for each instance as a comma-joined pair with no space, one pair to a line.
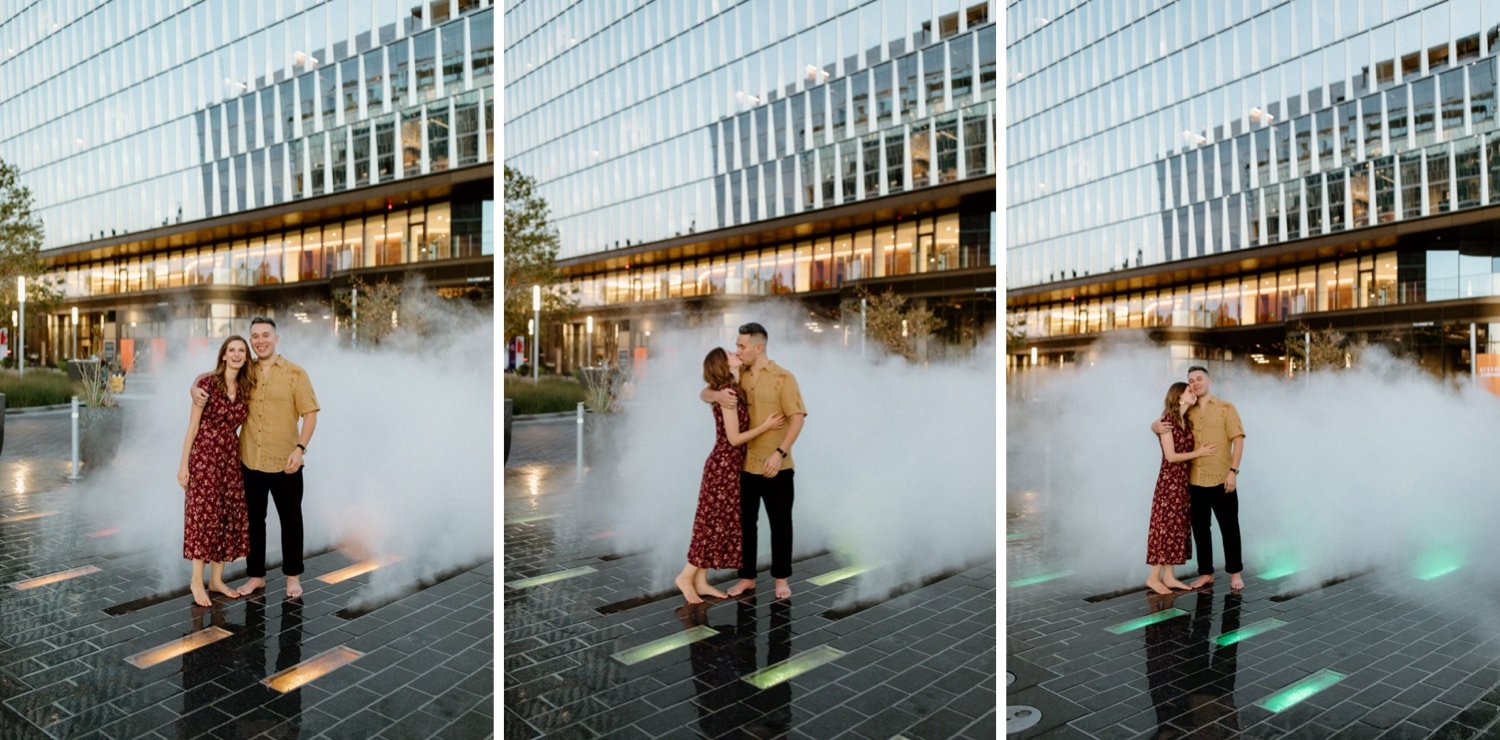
1365,240
271,219
787,228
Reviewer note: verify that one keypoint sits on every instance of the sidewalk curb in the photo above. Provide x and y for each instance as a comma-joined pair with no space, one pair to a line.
515,418
39,409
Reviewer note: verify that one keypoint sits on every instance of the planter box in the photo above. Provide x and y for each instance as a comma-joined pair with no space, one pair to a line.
100,430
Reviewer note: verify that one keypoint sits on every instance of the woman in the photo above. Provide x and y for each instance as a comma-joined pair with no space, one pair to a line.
217,524
1169,541
716,528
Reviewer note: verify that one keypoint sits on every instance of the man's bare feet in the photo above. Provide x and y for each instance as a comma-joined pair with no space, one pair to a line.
293,587
224,588
685,585
1201,581
1157,586
741,586
252,585
1236,582
783,591
200,596
1174,583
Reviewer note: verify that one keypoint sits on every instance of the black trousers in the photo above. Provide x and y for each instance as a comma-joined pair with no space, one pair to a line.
1225,507
777,493
286,489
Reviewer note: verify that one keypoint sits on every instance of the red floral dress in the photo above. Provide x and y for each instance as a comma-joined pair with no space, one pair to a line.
1170,539
218,526
716,527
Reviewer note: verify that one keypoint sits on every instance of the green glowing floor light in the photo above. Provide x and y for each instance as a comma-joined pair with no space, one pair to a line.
1437,568
838,575
1014,536
1292,695
1040,578
790,668
1278,572
529,518
1245,633
550,578
666,644
1136,624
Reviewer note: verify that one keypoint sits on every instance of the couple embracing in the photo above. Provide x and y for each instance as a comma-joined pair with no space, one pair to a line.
758,415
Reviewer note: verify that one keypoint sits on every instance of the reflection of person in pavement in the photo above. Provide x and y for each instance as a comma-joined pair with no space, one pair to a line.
1179,651
199,669
288,654
721,659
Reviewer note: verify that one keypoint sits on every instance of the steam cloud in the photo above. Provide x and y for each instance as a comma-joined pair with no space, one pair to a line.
895,467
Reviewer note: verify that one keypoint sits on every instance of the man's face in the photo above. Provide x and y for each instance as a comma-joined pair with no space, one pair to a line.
263,340
1198,382
747,349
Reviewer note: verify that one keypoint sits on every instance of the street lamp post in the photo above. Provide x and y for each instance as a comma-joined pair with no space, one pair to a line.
589,360
536,311
75,332
21,332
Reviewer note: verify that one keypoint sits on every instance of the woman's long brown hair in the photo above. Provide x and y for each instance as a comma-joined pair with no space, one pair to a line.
716,370
1171,407
244,382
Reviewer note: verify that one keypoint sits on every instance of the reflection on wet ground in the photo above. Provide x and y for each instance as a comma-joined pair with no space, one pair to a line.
425,666
921,665
1370,655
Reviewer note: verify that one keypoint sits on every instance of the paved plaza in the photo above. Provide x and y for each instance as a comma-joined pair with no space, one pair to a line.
1371,654
425,666
599,654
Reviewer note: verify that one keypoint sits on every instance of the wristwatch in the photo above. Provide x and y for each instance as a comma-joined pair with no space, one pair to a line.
1236,471
781,452
302,447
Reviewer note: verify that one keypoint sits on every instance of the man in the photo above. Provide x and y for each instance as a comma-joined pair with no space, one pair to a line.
767,474
1213,480
271,449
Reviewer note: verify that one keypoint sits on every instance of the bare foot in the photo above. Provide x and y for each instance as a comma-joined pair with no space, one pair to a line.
1157,586
700,584
1236,582
1202,581
685,585
224,588
783,591
741,586
252,585
200,596
293,587
1174,583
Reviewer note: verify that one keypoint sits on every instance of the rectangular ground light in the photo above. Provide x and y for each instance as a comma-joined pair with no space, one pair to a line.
164,653
25,517
1033,580
666,644
310,670
792,667
838,575
1146,621
52,578
529,518
1294,694
1245,633
550,577
358,569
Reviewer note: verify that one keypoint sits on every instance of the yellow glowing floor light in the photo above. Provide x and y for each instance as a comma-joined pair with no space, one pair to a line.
358,569
52,578
792,667
309,670
164,653
838,575
25,517
529,518
107,532
664,645
549,578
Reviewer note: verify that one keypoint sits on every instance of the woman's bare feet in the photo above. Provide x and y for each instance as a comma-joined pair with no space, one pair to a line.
1202,581
1172,582
685,585
741,586
224,588
1236,582
700,584
783,590
1156,585
252,585
200,595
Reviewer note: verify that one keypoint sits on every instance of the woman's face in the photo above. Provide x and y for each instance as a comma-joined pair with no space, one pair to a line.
235,355
734,361
1187,399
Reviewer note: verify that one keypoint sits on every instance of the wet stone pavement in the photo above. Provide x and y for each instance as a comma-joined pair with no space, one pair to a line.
426,669
920,665
1411,658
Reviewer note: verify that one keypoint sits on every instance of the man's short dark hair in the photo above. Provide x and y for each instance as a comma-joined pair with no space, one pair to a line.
263,320
1197,369
754,330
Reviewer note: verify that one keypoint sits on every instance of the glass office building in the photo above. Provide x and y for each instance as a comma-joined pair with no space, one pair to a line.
196,161
1218,174
698,156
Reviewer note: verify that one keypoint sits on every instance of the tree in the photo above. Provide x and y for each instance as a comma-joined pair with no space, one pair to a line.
377,314
1331,350
1015,333
531,246
21,237
892,323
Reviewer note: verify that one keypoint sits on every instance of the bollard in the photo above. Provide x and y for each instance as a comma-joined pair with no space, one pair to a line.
578,474
74,475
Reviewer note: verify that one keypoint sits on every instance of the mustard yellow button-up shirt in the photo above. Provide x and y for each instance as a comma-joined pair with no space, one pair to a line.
282,395
1215,421
772,390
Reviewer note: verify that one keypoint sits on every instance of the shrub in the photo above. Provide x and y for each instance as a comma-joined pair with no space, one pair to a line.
39,387
551,395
